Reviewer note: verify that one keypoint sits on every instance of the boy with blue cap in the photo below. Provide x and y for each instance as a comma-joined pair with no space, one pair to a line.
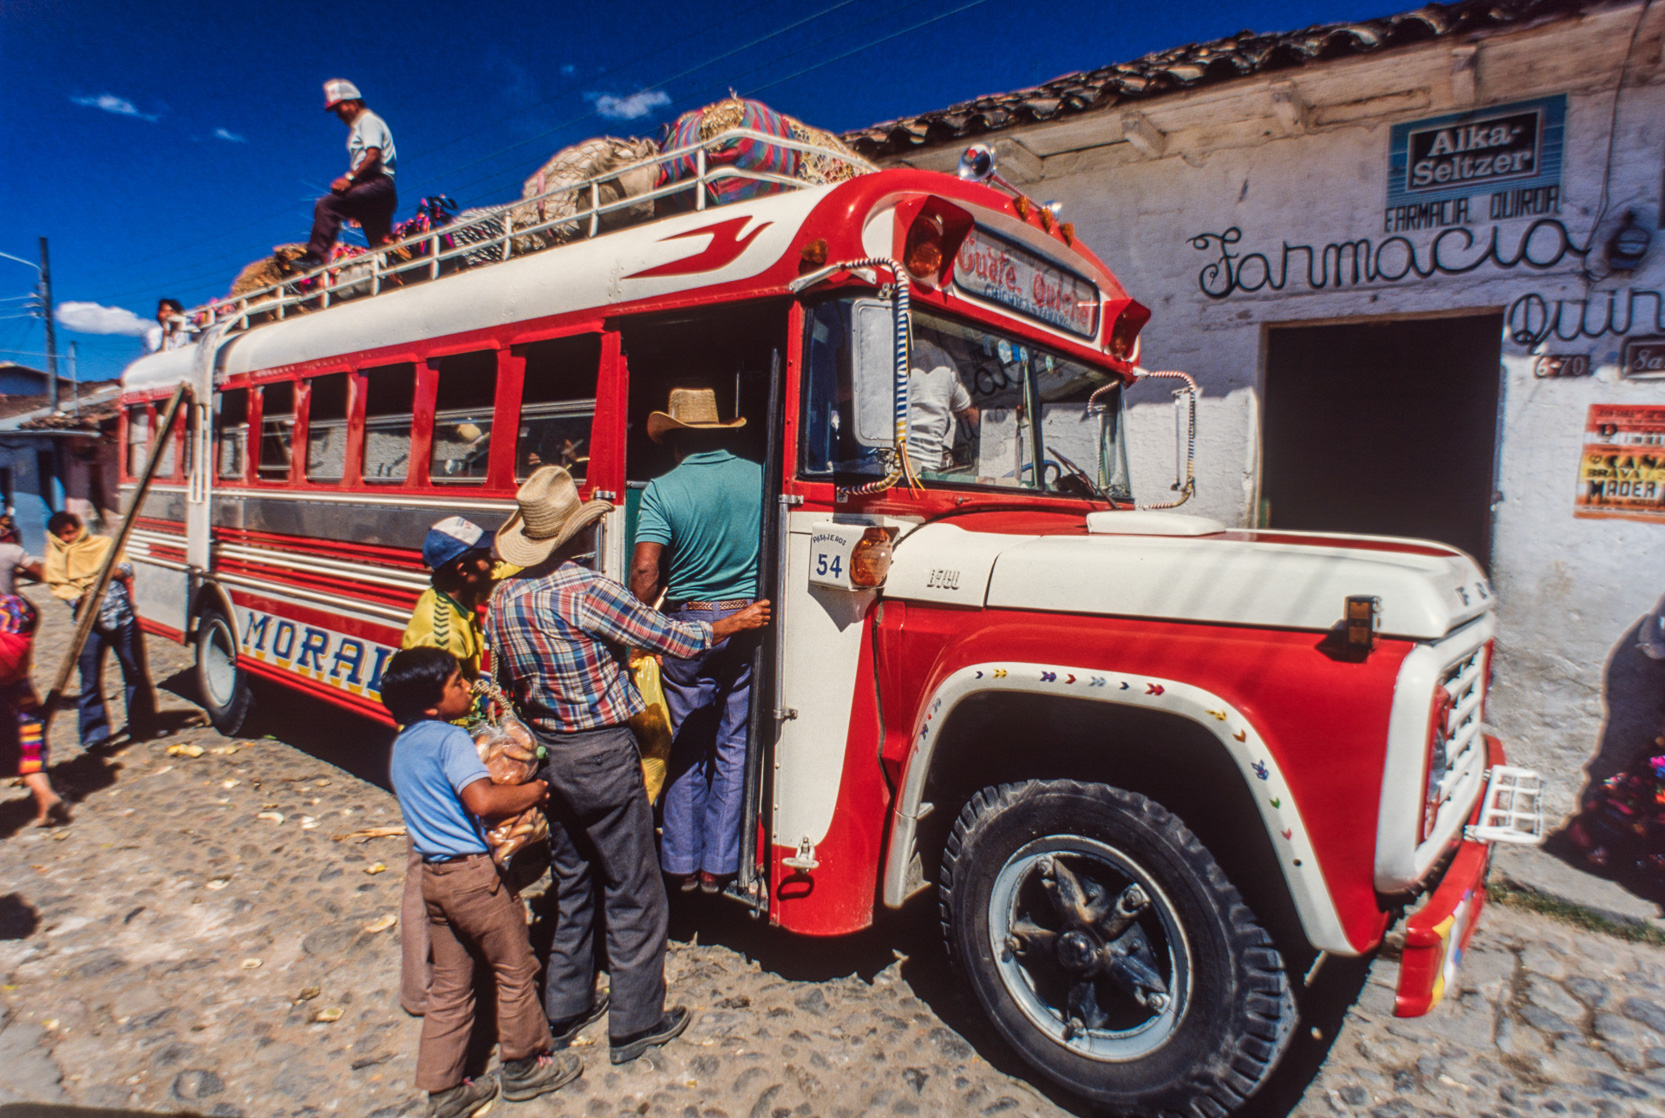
447,616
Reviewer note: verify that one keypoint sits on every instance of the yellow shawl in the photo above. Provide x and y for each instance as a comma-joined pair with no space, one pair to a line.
72,568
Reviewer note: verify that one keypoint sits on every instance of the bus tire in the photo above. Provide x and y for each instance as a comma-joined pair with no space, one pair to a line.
223,687
1109,949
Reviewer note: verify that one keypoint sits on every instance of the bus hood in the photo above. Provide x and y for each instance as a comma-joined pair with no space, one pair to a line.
1260,579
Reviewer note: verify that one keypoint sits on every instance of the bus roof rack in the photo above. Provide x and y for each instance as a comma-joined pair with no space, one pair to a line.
493,235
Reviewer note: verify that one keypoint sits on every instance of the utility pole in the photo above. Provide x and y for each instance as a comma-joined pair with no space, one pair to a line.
51,334
74,381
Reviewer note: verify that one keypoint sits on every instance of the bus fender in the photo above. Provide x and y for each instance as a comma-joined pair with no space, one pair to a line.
1236,734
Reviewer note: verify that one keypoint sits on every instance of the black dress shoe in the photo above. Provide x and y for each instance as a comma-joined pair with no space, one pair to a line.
567,1029
627,1048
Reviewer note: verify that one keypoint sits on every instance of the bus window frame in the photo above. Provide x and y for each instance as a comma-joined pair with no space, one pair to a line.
426,406
124,433
361,375
218,430
297,432
607,447
308,380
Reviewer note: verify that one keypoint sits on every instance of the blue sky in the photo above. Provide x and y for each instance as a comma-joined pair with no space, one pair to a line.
161,147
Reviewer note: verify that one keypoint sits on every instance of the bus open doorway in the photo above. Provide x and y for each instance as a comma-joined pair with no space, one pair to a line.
738,354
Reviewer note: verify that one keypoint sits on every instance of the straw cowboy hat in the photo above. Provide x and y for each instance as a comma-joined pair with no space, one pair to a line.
550,514
693,409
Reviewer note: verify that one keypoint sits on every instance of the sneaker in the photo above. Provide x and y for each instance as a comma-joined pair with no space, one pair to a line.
714,882
539,1075
627,1048
467,1099
567,1029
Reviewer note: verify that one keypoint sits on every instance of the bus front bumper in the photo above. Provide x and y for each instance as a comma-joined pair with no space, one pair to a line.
1437,934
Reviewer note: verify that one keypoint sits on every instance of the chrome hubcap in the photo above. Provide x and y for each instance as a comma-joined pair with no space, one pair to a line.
220,666
1089,947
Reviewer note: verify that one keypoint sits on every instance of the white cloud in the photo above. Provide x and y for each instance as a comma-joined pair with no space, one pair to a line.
110,103
229,136
633,107
94,318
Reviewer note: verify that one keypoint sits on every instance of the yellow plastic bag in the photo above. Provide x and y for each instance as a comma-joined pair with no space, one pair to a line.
652,727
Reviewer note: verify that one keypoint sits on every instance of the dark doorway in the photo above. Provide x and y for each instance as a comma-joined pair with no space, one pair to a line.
1385,429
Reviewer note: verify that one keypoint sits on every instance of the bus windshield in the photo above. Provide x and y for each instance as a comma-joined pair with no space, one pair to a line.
983,410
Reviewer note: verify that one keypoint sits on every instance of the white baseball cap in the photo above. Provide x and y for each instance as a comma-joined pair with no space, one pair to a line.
337,90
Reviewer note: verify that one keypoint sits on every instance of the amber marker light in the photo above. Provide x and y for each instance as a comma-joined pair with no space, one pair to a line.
1362,617
815,252
1124,334
922,252
870,559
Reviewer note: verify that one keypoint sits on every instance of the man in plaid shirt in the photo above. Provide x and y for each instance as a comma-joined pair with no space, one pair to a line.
559,633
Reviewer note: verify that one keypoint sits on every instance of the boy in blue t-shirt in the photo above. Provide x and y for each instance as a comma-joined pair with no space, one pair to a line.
444,792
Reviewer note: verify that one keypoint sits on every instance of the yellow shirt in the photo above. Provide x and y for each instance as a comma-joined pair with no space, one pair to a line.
439,621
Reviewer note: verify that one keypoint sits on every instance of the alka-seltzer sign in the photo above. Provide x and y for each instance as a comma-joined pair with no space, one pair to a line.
1622,471
993,268
1486,165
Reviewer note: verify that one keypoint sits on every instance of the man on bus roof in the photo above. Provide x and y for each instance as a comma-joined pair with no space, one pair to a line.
365,193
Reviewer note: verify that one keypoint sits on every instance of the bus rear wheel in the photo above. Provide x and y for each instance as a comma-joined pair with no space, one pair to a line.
1109,949
222,685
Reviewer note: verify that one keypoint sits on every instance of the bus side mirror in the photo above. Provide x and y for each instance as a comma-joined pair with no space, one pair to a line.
873,371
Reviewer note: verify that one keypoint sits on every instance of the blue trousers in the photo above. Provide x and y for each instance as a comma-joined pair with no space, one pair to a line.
94,713
708,698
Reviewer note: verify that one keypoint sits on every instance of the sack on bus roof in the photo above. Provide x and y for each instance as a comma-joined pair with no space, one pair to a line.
570,166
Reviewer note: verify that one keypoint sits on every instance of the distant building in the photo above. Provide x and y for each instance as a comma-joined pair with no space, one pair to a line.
1417,265
22,380
60,460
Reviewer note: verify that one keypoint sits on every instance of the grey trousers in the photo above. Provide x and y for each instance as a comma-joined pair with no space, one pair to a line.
601,828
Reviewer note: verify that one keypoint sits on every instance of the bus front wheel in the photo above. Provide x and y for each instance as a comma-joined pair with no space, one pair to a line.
1109,949
222,684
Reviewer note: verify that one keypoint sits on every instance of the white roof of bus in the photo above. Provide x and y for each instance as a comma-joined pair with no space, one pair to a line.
573,277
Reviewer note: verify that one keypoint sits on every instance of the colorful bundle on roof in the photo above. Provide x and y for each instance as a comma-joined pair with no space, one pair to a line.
1622,826
749,153
431,213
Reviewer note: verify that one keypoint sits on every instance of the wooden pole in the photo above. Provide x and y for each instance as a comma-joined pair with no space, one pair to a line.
94,597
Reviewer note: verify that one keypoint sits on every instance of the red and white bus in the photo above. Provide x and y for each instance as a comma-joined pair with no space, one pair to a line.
1155,768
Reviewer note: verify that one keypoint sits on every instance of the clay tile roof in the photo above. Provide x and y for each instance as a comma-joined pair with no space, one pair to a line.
1199,64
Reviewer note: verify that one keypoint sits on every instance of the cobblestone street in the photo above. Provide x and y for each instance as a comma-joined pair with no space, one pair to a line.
201,940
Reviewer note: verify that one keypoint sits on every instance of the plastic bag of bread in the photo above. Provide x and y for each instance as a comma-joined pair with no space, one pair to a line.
511,755
516,833
507,750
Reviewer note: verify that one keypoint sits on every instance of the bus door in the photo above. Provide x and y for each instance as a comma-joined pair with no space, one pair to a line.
737,353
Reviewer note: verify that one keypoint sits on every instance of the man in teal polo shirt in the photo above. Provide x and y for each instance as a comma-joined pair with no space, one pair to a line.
697,538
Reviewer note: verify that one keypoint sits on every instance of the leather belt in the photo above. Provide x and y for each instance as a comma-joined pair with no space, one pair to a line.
732,603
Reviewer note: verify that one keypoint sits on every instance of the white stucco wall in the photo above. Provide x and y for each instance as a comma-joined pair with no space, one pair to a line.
1569,685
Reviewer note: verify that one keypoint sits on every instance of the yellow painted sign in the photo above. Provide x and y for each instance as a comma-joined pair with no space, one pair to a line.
1622,470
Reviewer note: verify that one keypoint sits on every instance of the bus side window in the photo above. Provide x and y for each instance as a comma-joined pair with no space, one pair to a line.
277,430
232,433
557,405
389,400
168,460
326,428
138,438
462,416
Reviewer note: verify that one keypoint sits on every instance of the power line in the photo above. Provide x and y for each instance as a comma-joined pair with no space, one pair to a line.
204,276
708,62
702,95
